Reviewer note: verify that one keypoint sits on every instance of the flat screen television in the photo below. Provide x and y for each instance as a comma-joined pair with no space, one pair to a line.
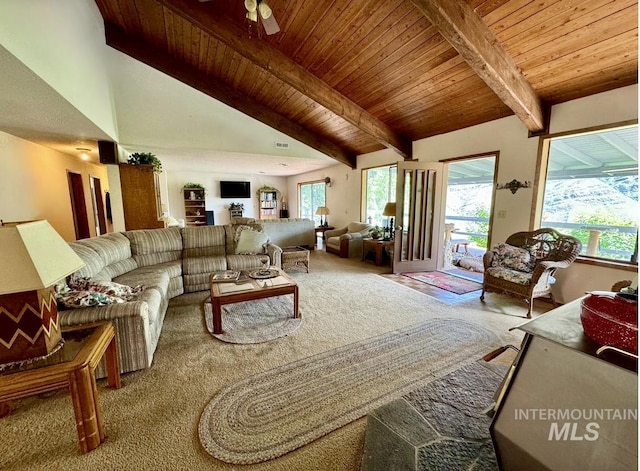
235,189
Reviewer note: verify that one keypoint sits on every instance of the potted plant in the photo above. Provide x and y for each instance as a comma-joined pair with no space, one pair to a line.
197,186
145,158
376,232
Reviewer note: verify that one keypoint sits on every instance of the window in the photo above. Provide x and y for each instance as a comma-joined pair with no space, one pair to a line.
380,188
591,191
312,195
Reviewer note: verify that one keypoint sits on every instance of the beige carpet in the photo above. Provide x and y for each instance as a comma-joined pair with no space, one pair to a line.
152,421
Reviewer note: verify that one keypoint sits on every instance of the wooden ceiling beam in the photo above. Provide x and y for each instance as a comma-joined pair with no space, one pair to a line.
459,24
163,62
273,61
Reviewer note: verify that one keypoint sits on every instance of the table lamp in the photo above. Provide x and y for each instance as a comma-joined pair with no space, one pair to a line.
33,257
323,211
389,210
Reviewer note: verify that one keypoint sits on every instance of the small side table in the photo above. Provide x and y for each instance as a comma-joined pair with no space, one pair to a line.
322,229
292,256
377,247
73,367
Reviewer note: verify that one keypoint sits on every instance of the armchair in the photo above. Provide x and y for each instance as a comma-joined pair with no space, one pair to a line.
524,265
347,242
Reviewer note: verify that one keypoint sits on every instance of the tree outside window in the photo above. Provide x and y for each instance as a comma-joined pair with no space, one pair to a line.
380,189
311,195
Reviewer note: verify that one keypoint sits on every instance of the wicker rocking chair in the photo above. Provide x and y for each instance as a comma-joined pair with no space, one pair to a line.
524,265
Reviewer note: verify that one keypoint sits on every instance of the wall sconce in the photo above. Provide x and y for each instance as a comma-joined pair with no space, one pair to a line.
514,185
327,181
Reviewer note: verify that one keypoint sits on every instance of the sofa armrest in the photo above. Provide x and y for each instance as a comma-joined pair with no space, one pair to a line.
275,255
352,236
131,321
110,312
334,232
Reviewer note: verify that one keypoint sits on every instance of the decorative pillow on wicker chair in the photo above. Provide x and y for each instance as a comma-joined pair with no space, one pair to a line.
515,258
252,242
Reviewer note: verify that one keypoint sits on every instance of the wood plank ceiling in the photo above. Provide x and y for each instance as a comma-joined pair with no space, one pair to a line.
349,77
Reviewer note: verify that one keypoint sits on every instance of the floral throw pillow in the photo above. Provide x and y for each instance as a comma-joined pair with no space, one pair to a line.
515,258
109,288
83,292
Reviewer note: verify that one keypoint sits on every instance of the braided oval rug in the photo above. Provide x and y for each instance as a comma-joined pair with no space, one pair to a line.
272,413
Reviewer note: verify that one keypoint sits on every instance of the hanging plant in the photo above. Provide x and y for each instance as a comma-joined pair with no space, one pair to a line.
267,188
145,158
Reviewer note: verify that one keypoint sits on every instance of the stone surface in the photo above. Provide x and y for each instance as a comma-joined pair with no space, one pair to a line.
403,419
441,426
386,451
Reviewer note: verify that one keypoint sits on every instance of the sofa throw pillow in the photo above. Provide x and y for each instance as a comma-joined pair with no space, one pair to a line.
109,288
78,292
239,230
515,258
78,299
252,242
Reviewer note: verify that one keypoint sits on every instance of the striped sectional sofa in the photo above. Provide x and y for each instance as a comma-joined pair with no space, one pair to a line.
167,262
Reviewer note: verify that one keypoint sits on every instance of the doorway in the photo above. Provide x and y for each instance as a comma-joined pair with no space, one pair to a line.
78,206
98,205
469,211
418,235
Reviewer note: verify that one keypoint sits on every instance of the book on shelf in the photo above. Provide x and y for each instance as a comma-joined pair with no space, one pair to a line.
227,275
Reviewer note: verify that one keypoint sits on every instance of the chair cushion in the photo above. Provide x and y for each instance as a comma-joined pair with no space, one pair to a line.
514,258
507,274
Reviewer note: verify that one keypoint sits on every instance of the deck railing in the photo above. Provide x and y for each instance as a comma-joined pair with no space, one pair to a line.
592,247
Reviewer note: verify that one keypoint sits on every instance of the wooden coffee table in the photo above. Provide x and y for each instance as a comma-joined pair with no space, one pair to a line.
73,366
260,289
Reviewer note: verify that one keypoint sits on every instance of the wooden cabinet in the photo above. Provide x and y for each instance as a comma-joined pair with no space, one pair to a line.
140,197
194,207
268,204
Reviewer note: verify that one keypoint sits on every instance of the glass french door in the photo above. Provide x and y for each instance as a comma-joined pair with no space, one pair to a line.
418,239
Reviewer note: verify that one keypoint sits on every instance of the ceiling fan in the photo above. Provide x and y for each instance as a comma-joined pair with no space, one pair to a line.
259,11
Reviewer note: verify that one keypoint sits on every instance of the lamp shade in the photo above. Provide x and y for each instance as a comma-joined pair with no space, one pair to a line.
322,211
34,256
389,209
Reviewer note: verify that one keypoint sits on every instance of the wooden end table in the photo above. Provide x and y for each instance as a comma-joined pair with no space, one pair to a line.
377,246
260,289
73,366
322,230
